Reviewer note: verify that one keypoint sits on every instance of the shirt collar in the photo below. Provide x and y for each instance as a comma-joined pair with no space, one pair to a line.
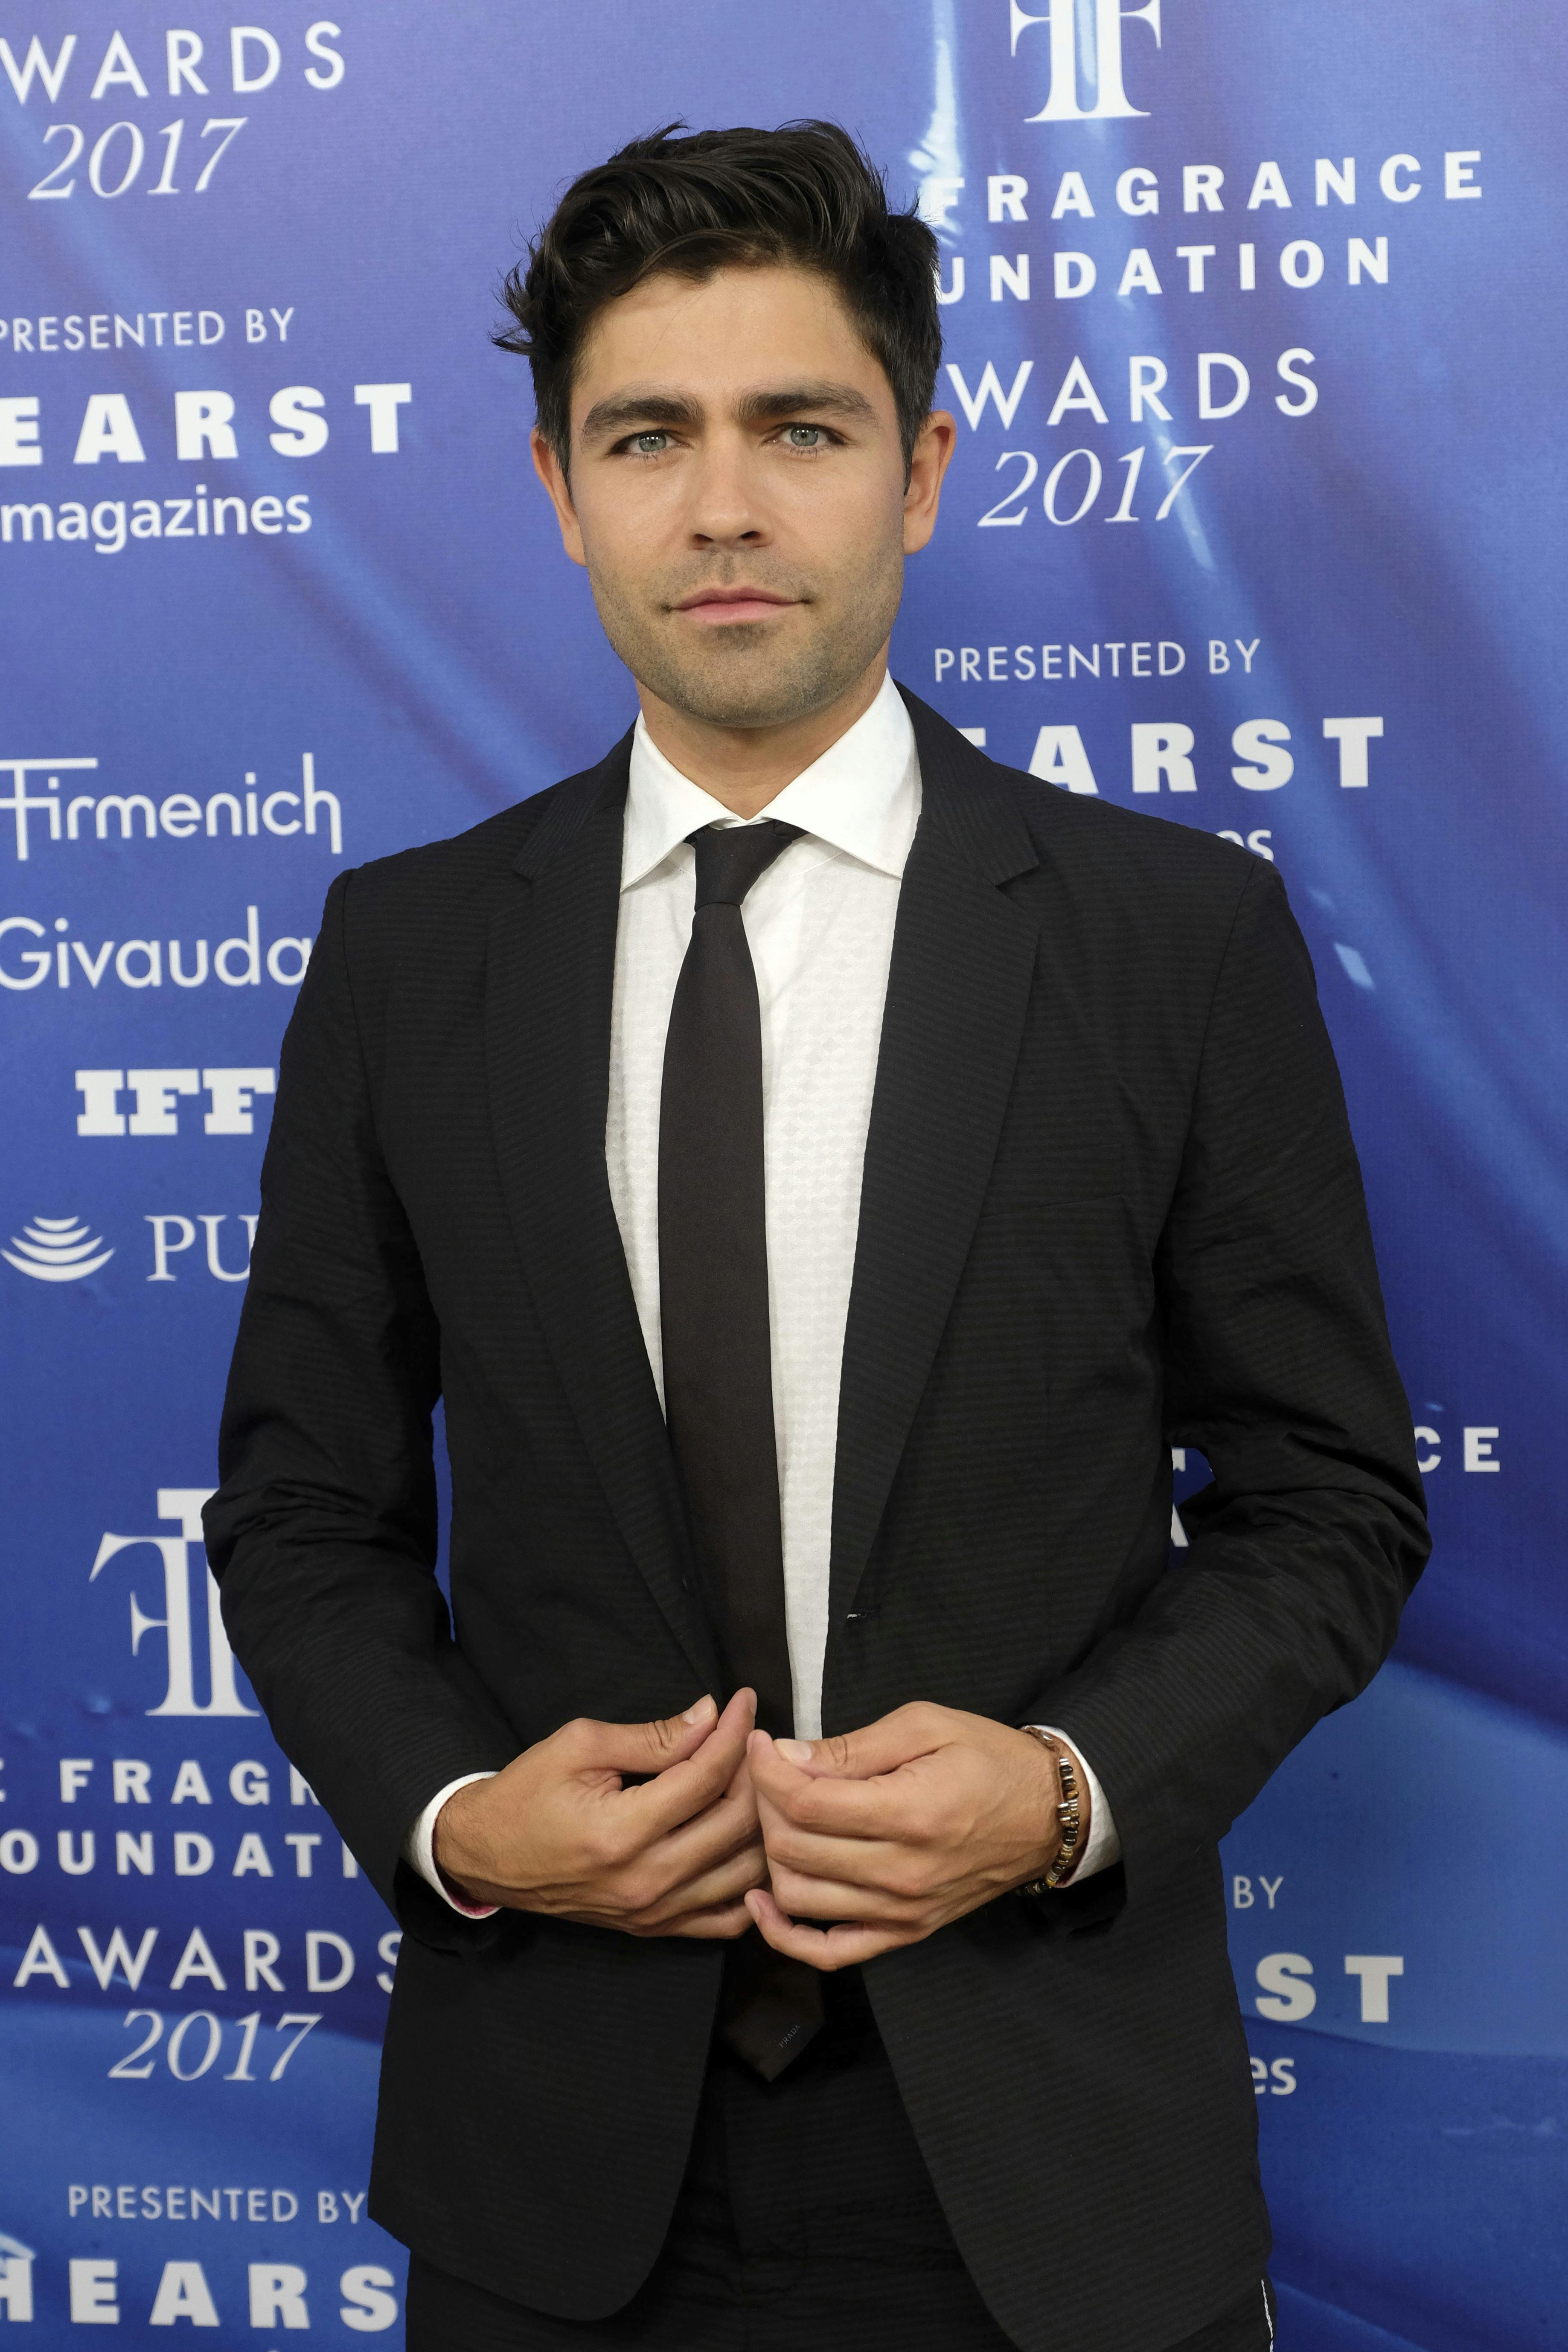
861,797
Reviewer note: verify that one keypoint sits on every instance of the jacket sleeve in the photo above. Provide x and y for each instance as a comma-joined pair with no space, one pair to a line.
323,1534
1278,1368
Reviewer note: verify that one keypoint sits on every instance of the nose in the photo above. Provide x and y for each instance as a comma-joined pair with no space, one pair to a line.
727,509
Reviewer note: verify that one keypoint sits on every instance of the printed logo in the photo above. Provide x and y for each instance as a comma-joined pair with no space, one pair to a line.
40,812
16,2277
237,962
56,1249
177,1624
157,1094
1086,56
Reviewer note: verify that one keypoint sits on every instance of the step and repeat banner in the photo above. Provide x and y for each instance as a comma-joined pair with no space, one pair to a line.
1256,343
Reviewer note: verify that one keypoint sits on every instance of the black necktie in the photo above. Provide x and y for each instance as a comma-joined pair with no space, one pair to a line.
713,1271
717,1346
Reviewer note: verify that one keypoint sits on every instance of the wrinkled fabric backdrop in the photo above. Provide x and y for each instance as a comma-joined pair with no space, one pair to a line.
1256,343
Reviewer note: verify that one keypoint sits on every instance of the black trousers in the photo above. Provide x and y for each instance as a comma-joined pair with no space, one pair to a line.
806,2222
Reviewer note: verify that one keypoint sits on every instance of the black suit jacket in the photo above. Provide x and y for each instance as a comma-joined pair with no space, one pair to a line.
1110,1203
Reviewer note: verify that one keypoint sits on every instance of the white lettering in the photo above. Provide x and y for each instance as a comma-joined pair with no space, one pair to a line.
19,438
302,433
1076,392
1072,196
317,1942
35,62
1162,750
41,1959
368,2308
1059,758
973,406
242,38
277,2296
1255,740
1374,1970
1286,368
197,1960
1110,98
203,425
182,2295
1285,1998
92,2296
108,430
1352,736
233,1096
1208,406
183,52
384,400
155,1092
1340,182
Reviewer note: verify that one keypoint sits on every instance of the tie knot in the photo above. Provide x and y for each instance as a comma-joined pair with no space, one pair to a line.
731,857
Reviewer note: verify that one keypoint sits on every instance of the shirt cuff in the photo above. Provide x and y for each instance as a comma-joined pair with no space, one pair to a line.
1104,1846
419,1846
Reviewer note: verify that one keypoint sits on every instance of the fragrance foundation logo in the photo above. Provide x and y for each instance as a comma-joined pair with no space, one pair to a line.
177,1624
56,1249
1086,56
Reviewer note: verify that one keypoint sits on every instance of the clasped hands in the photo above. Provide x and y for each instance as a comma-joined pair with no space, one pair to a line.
702,1826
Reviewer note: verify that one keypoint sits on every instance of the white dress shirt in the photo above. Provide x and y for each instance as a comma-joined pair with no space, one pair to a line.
819,924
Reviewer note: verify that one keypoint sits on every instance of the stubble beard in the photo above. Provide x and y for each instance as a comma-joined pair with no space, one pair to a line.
750,674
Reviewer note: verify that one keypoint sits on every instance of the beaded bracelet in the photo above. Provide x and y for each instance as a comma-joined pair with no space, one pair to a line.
1066,1814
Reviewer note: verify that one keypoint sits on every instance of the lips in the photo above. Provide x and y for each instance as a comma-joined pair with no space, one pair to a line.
714,608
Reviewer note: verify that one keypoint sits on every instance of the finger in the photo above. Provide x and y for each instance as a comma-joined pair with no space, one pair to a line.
689,1787
855,1862
850,1807
710,1927
730,1920
718,1887
880,1746
664,1859
828,1948
800,1897
722,1840
723,1828
639,1747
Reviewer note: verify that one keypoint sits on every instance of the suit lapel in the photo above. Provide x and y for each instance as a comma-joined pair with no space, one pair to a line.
958,989
550,974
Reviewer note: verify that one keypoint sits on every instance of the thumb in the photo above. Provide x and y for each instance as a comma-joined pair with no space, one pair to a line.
644,1747
881,1746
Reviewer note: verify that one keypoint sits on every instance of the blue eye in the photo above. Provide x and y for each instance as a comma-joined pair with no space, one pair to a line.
805,437
650,444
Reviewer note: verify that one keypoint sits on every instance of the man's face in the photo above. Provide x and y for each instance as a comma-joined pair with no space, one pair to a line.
737,492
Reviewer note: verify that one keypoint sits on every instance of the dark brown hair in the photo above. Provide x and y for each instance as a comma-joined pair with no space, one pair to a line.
803,195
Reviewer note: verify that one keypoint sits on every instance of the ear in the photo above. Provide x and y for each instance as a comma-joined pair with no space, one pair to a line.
549,468
932,452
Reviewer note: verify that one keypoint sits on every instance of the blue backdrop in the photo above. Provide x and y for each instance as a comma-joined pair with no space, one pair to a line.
1255,342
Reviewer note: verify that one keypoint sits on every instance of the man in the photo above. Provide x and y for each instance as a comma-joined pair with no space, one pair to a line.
824,1172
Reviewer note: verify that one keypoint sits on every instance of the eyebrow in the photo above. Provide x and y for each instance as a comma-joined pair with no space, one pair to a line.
653,408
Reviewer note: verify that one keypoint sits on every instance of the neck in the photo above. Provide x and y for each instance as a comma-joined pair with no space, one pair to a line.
744,768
